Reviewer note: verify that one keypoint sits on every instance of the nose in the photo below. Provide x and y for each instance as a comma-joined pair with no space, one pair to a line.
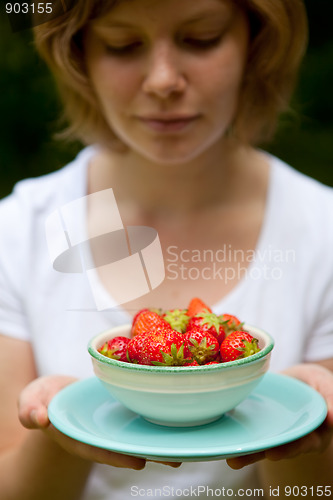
164,76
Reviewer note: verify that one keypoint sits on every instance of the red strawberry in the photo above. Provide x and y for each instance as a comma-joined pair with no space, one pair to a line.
137,315
208,322
203,346
238,344
134,348
230,323
146,321
160,346
193,363
197,305
115,348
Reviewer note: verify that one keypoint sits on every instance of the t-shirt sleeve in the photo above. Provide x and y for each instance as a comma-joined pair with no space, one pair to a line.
320,343
320,288
13,226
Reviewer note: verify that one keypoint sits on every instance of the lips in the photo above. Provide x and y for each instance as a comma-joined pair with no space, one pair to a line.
168,123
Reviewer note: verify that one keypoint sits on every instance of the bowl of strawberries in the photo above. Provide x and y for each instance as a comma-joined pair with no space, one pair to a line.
182,367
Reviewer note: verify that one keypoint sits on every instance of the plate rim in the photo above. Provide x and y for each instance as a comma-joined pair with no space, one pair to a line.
188,454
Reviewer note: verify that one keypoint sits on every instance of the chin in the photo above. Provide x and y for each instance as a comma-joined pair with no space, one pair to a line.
175,154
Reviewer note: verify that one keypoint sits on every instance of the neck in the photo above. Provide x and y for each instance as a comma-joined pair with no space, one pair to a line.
209,180
174,187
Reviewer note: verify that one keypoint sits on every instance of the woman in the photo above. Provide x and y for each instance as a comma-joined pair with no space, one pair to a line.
172,99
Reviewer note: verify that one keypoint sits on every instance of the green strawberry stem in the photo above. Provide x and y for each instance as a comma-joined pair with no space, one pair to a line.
249,348
178,319
175,358
209,320
201,352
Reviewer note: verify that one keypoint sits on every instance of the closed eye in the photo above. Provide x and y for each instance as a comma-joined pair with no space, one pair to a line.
124,50
202,43
188,42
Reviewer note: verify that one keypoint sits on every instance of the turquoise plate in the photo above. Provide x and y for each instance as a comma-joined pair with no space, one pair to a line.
280,409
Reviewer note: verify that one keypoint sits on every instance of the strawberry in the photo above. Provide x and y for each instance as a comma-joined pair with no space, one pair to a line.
238,344
193,363
208,322
160,346
137,315
195,306
177,319
115,348
203,346
230,323
146,321
134,348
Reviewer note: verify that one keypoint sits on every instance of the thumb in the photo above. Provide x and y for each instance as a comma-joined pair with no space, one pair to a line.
38,418
35,397
33,415
32,408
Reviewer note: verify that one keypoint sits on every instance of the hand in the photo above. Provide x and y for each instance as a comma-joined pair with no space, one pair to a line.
33,403
321,379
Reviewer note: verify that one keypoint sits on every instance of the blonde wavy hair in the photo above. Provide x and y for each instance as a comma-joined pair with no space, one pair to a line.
277,45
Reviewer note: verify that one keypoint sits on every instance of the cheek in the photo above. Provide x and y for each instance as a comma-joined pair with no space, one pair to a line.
223,78
115,84
224,71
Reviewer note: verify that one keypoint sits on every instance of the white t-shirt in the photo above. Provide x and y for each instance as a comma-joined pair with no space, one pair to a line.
287,290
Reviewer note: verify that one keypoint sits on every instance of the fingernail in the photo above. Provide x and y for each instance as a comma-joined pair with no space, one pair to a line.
33,417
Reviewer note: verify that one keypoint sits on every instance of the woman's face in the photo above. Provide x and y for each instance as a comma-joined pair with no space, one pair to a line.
168,73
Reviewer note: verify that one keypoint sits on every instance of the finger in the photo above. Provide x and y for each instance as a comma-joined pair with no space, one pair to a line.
329,417
39,418
32,416
237,463
119,460
32,411
291,450
107,457
93,453
35,397
318,377
175,465
315,441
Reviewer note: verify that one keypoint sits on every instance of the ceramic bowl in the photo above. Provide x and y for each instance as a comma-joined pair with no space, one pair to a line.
180,396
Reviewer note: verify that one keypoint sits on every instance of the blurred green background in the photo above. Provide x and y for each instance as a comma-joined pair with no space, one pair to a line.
30,108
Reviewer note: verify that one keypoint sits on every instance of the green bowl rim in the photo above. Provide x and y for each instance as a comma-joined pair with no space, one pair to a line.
182,369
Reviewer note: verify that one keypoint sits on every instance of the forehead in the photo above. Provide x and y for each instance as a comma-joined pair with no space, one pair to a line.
133,11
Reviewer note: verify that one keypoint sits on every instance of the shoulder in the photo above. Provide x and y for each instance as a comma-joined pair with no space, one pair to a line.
24,212
300,186
63,183
300,218
40,195
300,197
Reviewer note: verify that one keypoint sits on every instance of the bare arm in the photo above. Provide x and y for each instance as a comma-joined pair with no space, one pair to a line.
40,463
307,462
